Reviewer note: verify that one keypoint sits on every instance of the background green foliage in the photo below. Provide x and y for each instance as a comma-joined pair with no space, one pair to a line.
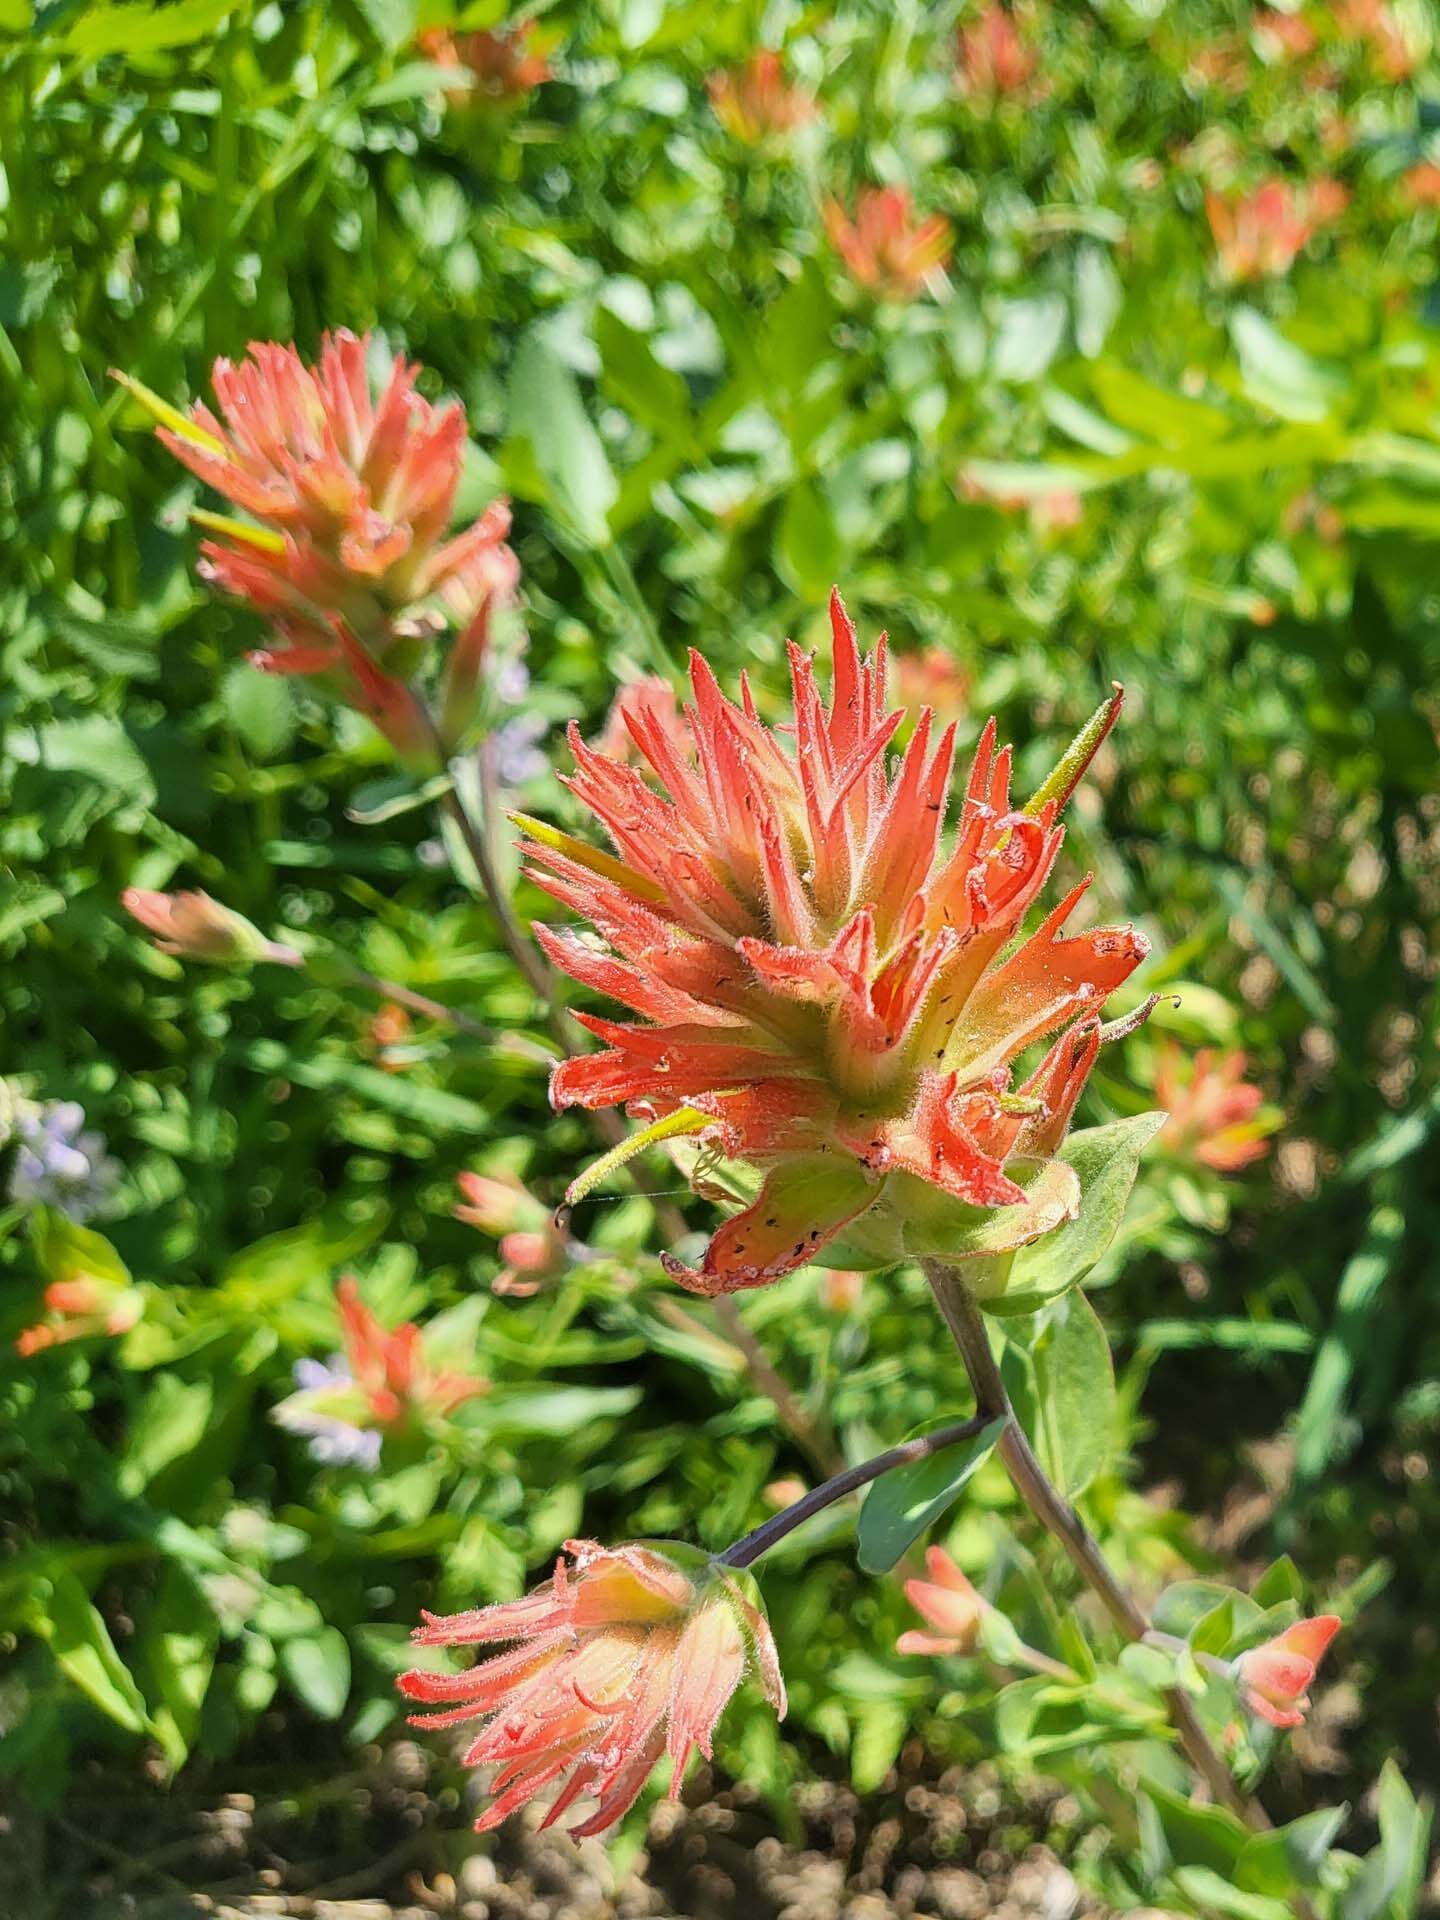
702,424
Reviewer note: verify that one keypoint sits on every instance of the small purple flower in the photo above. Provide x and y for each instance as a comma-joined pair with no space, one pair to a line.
59,1162
515,747
333,1442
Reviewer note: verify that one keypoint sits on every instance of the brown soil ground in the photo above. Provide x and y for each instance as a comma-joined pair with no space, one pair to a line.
952,1846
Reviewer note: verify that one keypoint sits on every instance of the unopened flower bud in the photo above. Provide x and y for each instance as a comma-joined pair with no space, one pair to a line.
196,927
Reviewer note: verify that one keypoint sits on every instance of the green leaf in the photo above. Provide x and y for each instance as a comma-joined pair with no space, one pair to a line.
66,1251
1106,1160
143,27
176,1658
173,1420
548,416
261,709
903,1503
1320,1423
1215,1893
1292,1855
652,394
1278,374
1028,333
96,747
913,1220
1098,299
808,553
1199,1836
72,1628
1280,1581
881,1727
1075,1394
317,1665
1387,1886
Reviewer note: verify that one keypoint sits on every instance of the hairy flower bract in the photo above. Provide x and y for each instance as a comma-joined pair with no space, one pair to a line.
830,988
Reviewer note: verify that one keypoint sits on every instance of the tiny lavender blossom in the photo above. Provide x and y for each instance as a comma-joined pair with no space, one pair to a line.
884,246
333,1442
59,1162
825,990
624,1656
948,1603
1275,1679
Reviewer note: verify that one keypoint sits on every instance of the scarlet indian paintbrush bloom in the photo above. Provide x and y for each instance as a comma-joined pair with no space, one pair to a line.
383,1383
755,102
946,1602
884,246
625,1656
350,490
827,991
1262,233
1275,1678
498,65
80,1308
1216,1117
994,60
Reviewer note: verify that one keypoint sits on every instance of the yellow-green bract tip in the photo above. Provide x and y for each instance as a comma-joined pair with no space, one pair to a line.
168,416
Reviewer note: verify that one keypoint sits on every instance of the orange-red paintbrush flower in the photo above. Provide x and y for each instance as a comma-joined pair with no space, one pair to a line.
884,246
755,102
829,988
949,1606
625,1656
1216,1116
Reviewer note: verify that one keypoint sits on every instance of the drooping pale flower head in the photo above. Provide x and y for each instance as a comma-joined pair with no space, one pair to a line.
195,927
1275,1679
885,248
946,1602
831,988
755,102
1217,1118
628,1654
382,1382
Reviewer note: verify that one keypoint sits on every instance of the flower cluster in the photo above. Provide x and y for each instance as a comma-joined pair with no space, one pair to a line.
491,67
1262,233
827,990
1216,1117
885,248
382,1383
993,59
351,491
59,1161
624,1656
755,102
948,1604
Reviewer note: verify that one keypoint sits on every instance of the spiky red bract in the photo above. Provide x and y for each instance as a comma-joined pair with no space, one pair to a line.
834,988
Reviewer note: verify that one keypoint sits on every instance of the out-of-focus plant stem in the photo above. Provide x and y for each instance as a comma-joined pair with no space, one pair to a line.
1059,1518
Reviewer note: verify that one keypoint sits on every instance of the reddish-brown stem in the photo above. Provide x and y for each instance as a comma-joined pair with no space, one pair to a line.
1059,1518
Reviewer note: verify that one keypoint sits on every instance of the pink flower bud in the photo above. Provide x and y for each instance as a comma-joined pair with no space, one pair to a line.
199,928
949,1603
1274,1679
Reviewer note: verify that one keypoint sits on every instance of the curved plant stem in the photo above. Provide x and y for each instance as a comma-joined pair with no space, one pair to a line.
747,1551
1059,1518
